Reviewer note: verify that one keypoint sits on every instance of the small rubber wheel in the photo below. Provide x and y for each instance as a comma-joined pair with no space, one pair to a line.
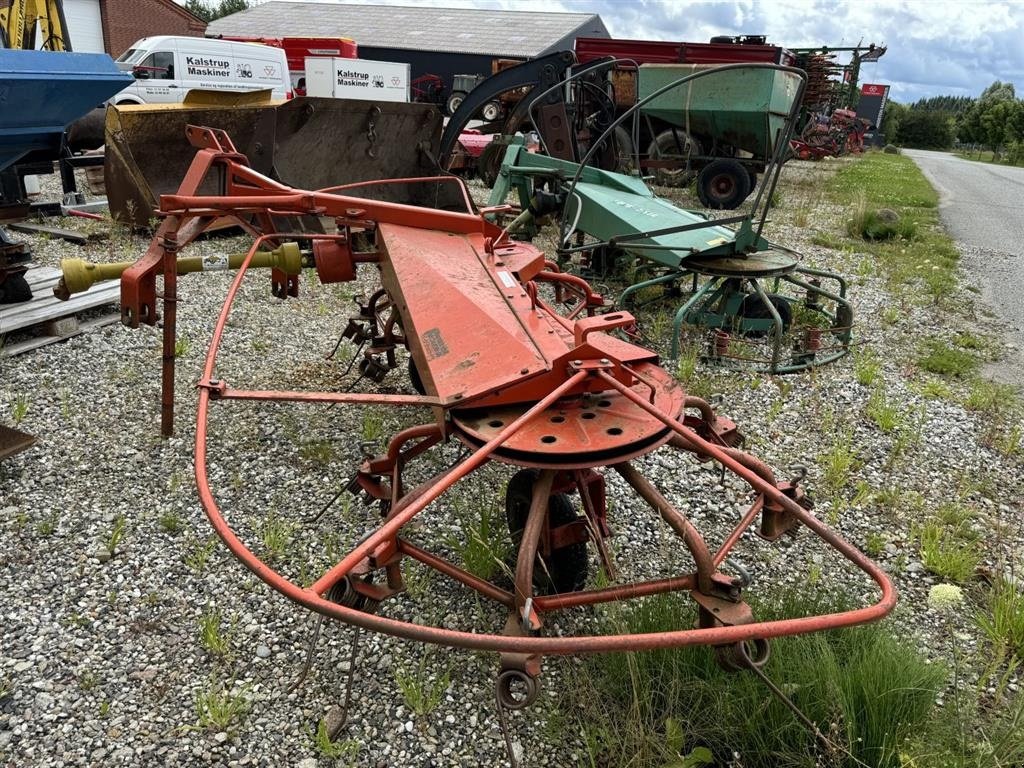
491,111
752,308
414,377
565,570
723,184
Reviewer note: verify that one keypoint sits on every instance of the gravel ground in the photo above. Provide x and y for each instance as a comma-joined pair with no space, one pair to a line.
101,660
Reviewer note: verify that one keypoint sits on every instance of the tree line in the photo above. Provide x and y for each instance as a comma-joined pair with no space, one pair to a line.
994,120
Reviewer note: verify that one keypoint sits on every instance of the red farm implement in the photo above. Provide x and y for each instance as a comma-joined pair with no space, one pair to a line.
515,361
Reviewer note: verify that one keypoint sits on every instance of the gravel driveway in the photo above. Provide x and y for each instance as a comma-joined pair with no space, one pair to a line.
982,206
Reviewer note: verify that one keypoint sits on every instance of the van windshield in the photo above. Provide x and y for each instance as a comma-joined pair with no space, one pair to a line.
131,55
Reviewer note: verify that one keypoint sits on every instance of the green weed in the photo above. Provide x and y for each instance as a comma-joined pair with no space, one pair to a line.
868,691
1003,622
421,689
866,367
838,463
947,555
215,642
938,357
886,417
19,408
218,708
347,750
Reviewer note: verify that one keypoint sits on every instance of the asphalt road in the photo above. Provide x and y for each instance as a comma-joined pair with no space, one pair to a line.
982,206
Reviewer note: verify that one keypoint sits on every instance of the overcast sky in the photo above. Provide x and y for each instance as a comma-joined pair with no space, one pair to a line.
935,46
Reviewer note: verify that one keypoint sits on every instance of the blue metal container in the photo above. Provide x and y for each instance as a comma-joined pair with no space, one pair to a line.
42,92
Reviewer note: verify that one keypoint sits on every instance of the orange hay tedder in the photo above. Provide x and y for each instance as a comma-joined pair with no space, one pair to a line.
524,366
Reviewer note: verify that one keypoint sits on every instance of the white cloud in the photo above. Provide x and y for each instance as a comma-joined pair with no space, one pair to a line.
937,47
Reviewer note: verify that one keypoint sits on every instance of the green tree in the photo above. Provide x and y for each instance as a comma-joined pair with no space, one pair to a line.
994,119
208,10
891,120
926,130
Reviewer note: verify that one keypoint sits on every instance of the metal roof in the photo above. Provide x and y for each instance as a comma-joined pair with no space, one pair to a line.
522,34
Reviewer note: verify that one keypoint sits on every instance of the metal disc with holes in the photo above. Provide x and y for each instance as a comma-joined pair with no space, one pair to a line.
769,263
578,432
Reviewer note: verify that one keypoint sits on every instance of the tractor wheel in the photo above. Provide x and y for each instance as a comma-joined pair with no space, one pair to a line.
565,570
675,145
491,111
455,101
753,179
752,308
723,183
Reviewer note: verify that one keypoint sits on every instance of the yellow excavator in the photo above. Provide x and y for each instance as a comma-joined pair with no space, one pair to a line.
30,25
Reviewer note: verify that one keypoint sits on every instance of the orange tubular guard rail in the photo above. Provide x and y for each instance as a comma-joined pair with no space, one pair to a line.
407,508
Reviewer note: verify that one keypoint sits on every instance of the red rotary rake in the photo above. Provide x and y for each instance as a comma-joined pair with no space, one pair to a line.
513,360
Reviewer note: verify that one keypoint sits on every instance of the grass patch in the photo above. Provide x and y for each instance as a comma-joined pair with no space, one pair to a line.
946,554
866,690
1003,621
217,709
937,356
421,688
912,252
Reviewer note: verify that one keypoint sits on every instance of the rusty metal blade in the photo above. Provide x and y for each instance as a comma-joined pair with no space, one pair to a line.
13,441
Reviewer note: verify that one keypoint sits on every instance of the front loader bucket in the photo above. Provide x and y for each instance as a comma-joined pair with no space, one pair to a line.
310,143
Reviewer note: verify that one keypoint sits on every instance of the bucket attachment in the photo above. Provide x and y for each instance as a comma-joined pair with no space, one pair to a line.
309,143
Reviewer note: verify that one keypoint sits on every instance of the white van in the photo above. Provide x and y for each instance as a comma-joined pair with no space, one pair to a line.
166,68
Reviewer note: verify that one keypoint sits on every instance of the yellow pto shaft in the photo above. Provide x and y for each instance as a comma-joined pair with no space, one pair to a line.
80,275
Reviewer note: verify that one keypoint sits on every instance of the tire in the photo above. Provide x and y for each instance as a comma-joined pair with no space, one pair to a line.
753,179
455,101
625,154
752,308
565,570
723,184
414,377
678,145
488,165
491,111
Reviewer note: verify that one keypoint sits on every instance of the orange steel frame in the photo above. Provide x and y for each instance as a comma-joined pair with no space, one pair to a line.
592,363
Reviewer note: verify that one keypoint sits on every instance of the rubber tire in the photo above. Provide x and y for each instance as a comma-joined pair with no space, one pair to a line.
753,180
566,569
414,377
491,111
488,165
664,144
754,309
625,155
455,101
723,184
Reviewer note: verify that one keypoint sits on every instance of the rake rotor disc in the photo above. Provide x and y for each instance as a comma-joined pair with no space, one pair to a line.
761,264
578,432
